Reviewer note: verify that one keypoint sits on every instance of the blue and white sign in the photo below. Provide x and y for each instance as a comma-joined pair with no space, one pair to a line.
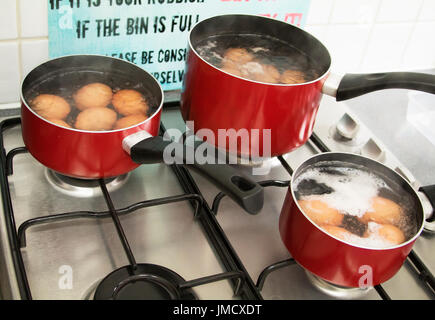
150,33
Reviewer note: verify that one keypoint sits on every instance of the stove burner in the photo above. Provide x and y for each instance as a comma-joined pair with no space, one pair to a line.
82,188
334,290
148,282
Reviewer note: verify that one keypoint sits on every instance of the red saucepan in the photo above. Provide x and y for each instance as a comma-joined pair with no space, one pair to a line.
333,258
101,154
288,110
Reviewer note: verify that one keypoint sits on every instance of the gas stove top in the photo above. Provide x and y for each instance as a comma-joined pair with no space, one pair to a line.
60,239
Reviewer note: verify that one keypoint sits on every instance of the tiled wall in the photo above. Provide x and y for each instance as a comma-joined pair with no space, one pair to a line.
362,36
375,35
23,44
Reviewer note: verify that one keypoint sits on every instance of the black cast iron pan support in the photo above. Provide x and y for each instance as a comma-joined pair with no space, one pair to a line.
236,271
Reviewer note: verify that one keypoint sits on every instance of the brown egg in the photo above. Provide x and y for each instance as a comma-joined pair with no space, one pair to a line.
128,102
129,121
292,76
231,67
239,55
337,232
227,63
252,70
93,95
320,212
60,122
50,106
391,234
96,119
270,74
384,211
233,71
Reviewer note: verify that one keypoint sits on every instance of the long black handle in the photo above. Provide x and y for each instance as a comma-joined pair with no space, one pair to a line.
242,189
354,85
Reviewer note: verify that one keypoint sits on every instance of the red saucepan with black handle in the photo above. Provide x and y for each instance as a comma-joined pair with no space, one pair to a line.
287,110
347,252
88,154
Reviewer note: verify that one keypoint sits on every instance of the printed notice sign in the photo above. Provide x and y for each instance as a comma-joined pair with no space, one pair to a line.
150,33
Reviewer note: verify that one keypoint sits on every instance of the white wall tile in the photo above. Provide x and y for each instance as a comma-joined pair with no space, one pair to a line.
346,44
420,51
427,11
386,47
9,72
33,18
319,11
320,32
354,11
398,10
33,53
8,19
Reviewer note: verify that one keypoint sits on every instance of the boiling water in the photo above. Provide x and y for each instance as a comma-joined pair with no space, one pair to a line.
350,189
67,83
265,49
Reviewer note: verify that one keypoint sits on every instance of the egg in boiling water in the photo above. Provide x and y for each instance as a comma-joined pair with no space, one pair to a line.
383,211
320,212
337,232
386,233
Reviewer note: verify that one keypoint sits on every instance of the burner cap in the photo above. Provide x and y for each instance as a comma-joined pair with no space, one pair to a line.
147,282
82,188
336,291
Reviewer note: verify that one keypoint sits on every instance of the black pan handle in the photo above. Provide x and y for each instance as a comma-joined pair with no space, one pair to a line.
145,149
354,85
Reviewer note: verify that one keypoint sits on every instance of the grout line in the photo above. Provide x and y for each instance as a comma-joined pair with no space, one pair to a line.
420,10
20,58
327,26
408,42
359,23
23,39
9,40
366,47
331,12
410,36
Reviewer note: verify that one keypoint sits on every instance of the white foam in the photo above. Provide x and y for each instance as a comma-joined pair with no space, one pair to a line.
373,241
216,56
259,49
353,191
207,48
251,67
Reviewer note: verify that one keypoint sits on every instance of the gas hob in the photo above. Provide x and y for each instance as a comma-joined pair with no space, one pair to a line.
59,241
